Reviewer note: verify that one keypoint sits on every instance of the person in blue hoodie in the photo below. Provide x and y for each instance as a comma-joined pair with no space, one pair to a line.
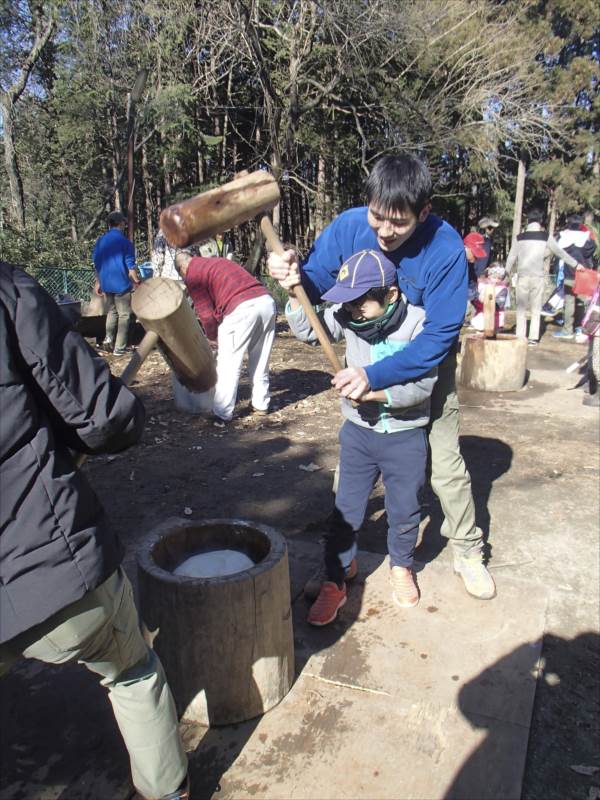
431,265
114,260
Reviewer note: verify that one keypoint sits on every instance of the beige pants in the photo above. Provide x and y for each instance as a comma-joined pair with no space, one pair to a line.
450,479
530,296
101,631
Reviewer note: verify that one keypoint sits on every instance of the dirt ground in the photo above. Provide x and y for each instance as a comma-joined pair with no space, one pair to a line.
533,457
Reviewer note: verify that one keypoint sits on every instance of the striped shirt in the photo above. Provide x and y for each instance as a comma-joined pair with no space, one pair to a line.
217,286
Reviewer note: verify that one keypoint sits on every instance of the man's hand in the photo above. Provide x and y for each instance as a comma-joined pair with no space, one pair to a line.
351,382
284,268
134,277
579,268
97,288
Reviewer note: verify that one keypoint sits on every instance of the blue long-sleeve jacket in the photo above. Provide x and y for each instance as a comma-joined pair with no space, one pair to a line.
114,256
432,273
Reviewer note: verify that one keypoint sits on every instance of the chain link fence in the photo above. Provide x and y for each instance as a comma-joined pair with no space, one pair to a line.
77,282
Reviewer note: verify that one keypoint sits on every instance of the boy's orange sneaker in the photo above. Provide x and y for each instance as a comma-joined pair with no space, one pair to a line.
404,589
325,608
312,587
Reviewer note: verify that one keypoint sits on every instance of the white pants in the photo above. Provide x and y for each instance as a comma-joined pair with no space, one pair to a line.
250,327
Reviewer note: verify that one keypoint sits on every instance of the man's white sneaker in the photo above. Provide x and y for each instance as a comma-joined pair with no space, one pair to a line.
476,578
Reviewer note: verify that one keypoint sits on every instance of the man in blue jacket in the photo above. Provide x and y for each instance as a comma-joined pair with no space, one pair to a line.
432,272
114,259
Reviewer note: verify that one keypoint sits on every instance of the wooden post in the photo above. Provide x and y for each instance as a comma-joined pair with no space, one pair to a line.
489,313
519,193
161,306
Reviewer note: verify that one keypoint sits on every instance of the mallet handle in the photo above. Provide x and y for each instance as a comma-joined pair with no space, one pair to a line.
144,349
275,245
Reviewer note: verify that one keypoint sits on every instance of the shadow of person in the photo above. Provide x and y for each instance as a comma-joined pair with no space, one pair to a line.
514,762
486,459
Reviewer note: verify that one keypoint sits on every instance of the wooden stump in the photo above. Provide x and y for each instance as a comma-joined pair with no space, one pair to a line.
161,306
493,365
226,643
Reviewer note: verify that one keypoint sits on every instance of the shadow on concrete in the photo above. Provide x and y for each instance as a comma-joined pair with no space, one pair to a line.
568,689
58,736
486,460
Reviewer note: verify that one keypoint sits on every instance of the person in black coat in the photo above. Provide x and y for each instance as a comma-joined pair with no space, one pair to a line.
63,594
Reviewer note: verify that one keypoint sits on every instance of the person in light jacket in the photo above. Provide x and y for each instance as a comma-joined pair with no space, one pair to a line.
527,254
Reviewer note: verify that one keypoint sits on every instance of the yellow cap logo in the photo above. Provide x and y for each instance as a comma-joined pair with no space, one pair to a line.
343,273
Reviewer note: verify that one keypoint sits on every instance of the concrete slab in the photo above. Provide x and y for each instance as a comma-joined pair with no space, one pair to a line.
432,702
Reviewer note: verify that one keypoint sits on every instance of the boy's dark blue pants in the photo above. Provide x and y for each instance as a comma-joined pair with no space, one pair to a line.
400,458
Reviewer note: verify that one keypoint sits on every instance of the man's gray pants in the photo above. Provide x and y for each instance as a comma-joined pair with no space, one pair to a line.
101,631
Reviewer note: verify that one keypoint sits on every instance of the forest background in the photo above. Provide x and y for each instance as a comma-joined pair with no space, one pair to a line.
313,91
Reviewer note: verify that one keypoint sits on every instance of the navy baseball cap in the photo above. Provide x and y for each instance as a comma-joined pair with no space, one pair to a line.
365,270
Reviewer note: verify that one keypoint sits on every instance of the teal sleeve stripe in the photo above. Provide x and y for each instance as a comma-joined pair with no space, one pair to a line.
289,311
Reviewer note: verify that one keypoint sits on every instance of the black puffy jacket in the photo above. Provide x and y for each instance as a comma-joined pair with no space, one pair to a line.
56,395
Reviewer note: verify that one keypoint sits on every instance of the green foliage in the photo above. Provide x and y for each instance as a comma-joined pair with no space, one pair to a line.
315,91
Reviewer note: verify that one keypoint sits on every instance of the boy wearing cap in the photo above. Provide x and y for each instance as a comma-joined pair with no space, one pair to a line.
431,267
383,435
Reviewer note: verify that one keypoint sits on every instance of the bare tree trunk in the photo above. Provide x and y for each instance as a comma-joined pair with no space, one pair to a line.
320,199
11,164
72,214
226,125
114,160
276,168
43,29
147,181
519,194
552,211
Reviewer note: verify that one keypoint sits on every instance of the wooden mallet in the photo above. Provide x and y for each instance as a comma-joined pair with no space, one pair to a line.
215,211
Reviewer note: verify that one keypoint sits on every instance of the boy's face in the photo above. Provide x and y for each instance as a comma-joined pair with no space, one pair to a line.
393,228
364,308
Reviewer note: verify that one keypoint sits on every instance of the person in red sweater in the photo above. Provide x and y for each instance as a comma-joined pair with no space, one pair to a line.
238,314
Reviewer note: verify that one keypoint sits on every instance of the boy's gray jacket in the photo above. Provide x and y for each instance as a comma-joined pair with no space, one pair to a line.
55,395
408,403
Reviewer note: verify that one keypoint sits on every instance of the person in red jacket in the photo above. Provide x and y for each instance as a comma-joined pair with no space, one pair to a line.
237,313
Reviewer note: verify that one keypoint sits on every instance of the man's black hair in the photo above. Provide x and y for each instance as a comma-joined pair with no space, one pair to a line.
535,215
398,183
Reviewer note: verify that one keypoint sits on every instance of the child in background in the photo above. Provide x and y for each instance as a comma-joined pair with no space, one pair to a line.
493,277
382,435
